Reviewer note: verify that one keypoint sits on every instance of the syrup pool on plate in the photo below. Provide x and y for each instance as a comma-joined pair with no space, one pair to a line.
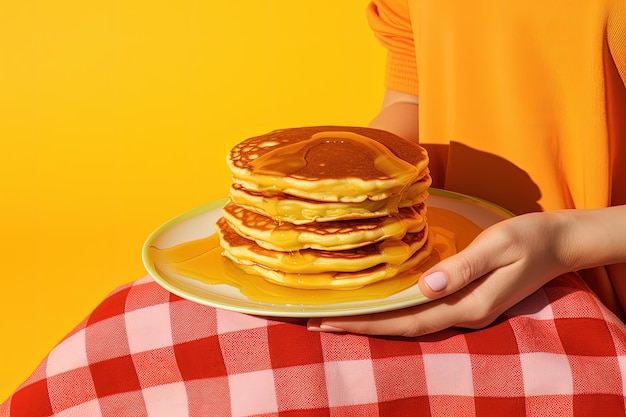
202,260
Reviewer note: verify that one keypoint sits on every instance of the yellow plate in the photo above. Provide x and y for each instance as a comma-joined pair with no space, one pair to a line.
199,224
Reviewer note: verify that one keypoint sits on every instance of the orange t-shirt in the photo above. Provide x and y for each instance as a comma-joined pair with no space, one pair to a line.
522,103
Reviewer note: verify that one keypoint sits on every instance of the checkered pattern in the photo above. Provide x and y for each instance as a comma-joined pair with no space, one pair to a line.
146,352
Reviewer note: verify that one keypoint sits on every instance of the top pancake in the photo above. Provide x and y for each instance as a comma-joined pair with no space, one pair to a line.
328,163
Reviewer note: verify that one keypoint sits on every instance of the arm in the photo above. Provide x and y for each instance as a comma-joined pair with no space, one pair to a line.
593,237
398,114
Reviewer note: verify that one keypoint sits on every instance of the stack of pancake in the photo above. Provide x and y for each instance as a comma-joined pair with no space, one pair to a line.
326,207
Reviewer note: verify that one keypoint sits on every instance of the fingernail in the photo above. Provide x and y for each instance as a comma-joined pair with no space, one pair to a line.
436,281
316,325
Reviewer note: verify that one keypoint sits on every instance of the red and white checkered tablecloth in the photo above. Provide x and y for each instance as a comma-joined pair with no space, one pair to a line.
146,352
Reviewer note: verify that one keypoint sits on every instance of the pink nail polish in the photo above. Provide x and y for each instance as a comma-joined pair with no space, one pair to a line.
314,325
437,281
318,326
332,329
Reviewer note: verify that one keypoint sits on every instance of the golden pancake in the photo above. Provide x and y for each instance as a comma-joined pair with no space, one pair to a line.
328,163
285,208
339,280
332,235
307,261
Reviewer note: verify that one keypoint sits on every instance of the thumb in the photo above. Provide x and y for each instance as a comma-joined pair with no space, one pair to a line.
457,271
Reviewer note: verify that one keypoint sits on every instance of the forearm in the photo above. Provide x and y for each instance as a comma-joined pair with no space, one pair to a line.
399,115
592,237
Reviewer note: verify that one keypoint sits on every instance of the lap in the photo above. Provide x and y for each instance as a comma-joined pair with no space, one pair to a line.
144,351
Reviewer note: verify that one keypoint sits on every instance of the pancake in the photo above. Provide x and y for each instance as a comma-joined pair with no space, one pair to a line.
328,163
332,235
320,269
339,280
285,208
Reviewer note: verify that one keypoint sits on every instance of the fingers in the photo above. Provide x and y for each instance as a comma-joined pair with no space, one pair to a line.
391,323
460,309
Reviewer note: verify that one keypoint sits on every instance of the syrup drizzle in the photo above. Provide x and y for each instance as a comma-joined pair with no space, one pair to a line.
312,155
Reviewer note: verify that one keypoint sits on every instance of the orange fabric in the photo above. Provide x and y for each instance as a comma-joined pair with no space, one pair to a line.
521,103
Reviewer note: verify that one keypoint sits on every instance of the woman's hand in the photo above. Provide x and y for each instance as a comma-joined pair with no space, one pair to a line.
505,263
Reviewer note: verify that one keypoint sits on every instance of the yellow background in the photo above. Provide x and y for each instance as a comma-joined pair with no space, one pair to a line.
116,116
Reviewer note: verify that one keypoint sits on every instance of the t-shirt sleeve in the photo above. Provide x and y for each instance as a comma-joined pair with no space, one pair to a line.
391,23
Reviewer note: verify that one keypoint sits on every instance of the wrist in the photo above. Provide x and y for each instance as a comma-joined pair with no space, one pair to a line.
590,237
